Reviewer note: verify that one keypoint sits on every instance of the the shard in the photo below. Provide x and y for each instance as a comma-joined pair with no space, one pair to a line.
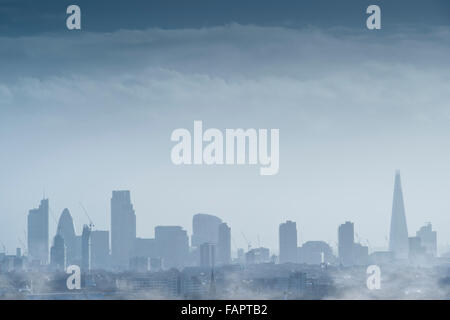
398,239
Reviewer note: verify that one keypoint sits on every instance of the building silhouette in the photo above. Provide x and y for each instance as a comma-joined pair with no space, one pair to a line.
360,254
224,244
67,231
86,248
205,229
58,254
315,253
416,251
288,242
398,238
100,257
428,239
173,245
346,239
207,255
257,255
123,229
38,235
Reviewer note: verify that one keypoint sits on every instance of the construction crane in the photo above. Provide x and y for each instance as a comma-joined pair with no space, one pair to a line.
91,224
249,245
21,243
234,243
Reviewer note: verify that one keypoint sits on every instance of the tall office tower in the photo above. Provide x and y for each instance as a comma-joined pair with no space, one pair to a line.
123,229
58,254
38,233
173,246
99,250
288,242
224,245
86,248
346,239
67,231
398,239
205,229
428,239
207,255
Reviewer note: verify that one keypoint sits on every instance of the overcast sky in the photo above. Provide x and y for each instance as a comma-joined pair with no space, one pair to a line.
86,112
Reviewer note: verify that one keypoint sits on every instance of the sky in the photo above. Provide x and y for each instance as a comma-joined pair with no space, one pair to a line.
86,112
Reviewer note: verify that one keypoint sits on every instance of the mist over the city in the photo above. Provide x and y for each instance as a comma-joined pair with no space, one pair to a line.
86,118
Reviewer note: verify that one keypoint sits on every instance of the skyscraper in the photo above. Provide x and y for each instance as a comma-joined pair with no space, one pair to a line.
99,250
360,254
205,229
173,245
67,231
123,229
224,244
38,232
86,249
428,239
416,250
58,254
288,242
346,239
398,239
207,255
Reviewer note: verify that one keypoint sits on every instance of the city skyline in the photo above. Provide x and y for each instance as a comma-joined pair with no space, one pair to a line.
173,265
207,229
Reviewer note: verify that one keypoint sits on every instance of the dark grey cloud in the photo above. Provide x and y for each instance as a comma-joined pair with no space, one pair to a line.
25,17
231,49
